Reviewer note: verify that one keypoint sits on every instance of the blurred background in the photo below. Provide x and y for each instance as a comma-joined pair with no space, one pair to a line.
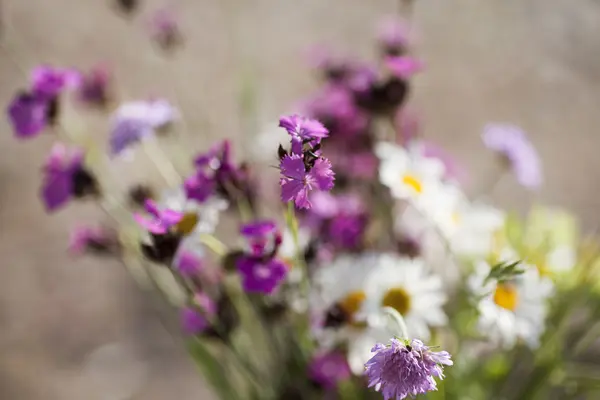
75,329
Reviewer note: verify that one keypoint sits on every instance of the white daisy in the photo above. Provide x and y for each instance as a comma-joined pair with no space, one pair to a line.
404,285
407,173
514,310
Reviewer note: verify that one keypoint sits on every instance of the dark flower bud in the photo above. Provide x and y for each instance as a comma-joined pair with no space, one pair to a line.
53,110
226,320
162,248
281,152
138,195
84,183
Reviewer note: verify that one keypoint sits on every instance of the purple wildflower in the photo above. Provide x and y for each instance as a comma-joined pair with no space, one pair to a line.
513,144
346,230
28,114
303,130
93,88
405,368
160,221
260,275
61,170
296,181
327,369
164,28
195,319
199,186
188,263
138,120
49,82
404,67
99,239
394,36
263,236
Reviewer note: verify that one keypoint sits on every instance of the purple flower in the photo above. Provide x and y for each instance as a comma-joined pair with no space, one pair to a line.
327,369
138,120
404,67
512,143
28,114
260,234
199,187
60,172
405,368
394,36
296,182
303,130
260,275
346,230
188,263
92,88
164,28
195,319
160,221
85,238
49,82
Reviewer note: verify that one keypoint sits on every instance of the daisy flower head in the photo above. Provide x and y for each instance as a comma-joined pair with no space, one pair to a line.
299,176
512,143
511,310
405,368
406,286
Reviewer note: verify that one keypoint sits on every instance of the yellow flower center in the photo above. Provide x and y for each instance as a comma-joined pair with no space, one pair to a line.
413,182
506,296
187,223
398,299
352,302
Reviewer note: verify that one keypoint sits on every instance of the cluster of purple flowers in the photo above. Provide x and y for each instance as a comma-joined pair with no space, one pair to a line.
259,267
303,168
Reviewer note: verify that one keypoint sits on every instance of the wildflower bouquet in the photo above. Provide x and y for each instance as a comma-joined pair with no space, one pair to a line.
372,271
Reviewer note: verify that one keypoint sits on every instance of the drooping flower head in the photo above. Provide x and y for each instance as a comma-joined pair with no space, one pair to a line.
159,221
512,143
298,179
28,114
195,318
65,177
135,121
405,368
327,369
303,130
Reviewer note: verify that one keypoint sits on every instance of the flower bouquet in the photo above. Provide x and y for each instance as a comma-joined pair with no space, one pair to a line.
356,263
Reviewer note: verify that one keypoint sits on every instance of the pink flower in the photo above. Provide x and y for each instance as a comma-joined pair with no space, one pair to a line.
297,182
160,221
404,67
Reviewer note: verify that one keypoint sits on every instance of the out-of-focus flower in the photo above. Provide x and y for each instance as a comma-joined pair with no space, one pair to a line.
195,319
474,228
164,28
188,263
260,234
159,221
97,239
93,87
394,36
261,276
512,143
138,120
49,82
405,285
297,182
454,171
405,368
329,368
65,177
404,67
199,186
303,130
28,115
511,310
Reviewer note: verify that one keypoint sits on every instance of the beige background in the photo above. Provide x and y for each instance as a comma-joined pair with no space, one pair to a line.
72,330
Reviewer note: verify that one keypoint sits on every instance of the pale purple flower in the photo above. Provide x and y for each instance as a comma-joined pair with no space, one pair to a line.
405,368
159,221
28,114
512,142
95,238
261,275
135,121
188,263
303,130
164,28
60,171
327,369
49,82
195,318
296,182
404,67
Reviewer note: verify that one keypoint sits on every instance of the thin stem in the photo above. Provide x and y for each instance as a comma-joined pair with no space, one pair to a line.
399,322
214,244
163,164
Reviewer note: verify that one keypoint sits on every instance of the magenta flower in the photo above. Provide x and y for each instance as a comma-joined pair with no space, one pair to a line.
405,368
188,263
263,237
49,82
97,238
404,67
64,177
261,275
512,143
199,186
195,318
159,221
28,114
327,369
93,88
297,182
303,130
